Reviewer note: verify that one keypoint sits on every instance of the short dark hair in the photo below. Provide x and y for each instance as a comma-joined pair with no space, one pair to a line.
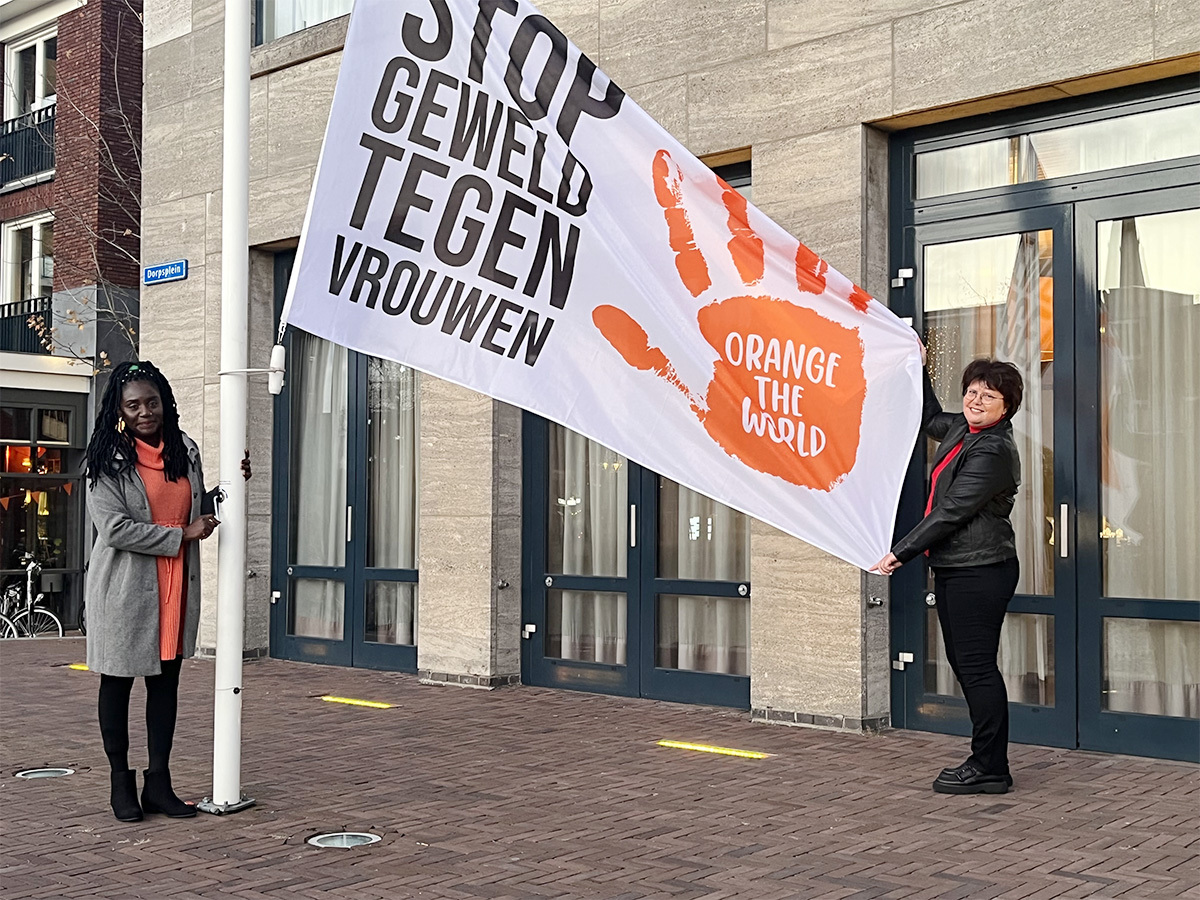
999,376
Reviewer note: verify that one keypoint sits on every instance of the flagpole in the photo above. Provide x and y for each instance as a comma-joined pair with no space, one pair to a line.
231,536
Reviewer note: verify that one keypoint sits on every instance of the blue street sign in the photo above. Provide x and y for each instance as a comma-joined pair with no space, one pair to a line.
164,272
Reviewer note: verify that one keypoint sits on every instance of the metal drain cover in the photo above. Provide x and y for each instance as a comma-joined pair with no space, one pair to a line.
344,839
45,773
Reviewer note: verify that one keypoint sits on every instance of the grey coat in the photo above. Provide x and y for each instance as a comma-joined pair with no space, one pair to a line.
121,589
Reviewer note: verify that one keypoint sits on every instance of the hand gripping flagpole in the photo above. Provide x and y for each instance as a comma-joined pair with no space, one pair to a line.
227,795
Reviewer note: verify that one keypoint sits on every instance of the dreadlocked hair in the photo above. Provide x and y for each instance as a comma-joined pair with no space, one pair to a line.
112,452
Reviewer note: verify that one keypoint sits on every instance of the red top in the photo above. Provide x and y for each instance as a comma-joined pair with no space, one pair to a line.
934,477
945,462
170,505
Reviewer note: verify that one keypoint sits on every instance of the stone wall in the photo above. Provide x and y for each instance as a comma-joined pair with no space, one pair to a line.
811,86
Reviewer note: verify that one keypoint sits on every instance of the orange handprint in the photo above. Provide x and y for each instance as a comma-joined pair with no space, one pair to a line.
788,386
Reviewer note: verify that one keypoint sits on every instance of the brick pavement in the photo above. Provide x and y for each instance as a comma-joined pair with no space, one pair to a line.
532,793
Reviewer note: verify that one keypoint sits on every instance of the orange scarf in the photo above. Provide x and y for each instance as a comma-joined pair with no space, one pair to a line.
170,505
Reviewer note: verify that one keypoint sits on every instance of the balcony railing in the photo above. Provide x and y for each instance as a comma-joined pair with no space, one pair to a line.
17,334
27,145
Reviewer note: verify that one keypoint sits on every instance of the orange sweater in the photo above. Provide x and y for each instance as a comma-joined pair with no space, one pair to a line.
171,505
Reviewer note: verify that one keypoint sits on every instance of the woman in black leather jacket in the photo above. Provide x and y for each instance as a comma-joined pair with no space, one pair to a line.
969,540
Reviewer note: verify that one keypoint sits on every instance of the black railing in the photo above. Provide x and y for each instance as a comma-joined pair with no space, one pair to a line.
17,333
27,145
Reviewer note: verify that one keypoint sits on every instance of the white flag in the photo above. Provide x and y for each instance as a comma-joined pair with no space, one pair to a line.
489,208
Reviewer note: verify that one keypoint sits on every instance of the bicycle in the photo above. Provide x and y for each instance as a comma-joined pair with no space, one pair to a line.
28,619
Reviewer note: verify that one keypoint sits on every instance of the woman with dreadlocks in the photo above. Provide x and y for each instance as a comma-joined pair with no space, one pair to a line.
143,582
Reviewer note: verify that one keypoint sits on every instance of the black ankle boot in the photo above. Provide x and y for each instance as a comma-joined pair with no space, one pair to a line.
124,797
157,796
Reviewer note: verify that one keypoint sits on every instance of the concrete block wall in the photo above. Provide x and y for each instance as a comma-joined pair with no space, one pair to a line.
812,87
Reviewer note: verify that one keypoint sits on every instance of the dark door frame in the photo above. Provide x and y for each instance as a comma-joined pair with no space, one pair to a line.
1052,725
354,575
640,676
1087,199
1116,732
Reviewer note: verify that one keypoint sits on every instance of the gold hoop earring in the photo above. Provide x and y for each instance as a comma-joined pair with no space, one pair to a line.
120,426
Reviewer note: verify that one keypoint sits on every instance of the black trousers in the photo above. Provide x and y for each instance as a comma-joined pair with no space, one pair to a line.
971,602
162,704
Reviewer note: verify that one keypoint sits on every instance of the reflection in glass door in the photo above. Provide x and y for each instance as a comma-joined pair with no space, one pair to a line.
635,584
700,539
993,293
1140,589
994,297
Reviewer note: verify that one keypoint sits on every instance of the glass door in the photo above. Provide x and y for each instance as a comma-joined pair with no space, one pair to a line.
698,579
310,600
384,514
635,585
1000,286
345,499
1138,331
583,558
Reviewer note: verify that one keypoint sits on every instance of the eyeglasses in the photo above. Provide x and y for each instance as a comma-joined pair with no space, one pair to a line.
985,396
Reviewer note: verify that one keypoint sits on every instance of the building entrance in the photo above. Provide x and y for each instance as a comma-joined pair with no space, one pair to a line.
1097,302
344,580
634,584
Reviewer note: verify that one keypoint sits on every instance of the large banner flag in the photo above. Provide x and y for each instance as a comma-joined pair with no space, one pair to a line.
491,209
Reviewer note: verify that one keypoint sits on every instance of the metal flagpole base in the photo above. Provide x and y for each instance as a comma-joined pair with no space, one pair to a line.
220,809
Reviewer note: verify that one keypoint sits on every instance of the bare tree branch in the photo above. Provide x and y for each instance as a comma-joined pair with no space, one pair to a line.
105,218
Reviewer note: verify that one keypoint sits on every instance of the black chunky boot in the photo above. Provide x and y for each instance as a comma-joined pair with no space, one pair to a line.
124,798
157,797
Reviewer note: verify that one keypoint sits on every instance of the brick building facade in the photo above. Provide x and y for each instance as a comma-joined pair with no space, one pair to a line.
70,226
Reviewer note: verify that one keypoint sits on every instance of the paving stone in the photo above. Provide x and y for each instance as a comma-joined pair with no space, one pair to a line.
529,793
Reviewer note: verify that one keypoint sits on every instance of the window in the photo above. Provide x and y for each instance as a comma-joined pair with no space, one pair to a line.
41,494
33,62
277,18
737,176
27,259
1147,137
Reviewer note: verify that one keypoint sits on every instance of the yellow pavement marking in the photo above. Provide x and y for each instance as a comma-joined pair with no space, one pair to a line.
350,701
706,748
79,667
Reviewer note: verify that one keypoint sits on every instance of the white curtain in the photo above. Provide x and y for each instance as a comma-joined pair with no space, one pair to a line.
589,525
702,539
969,168
393,475
1150,479
281,17
589,535
319,413
1149,429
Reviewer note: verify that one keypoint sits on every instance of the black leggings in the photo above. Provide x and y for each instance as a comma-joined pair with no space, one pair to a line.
971,602
162,703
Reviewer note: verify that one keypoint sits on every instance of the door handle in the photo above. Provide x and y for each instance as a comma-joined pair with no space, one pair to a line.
349,523
1062,530
632,524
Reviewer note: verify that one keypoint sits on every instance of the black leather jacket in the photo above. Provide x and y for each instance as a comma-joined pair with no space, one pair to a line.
969,523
